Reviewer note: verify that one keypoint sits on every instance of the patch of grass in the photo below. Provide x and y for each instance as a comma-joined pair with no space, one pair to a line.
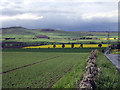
40,75
114,52
70,50
109,76
13,60
73,78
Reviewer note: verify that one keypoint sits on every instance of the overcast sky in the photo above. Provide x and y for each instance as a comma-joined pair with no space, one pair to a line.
69,15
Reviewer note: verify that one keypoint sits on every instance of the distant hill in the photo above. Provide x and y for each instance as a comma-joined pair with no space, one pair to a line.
54,33
16,30
25,31
12,28
22,30
48,30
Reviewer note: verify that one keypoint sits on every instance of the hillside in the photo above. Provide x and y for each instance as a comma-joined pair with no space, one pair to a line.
52,32
21,34
19,31
22,30
16,30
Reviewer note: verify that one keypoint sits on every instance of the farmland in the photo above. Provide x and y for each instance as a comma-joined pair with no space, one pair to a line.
48,36
43,68
71,46
50,68
37,59
109,76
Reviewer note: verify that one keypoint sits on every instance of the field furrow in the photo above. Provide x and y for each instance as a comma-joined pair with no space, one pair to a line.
45,74
18,60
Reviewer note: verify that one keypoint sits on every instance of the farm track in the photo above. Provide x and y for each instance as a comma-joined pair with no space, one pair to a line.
30,64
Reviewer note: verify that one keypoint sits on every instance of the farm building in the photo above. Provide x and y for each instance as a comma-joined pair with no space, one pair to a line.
42,36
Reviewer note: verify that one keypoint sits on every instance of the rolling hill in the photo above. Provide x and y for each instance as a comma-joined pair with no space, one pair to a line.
21,34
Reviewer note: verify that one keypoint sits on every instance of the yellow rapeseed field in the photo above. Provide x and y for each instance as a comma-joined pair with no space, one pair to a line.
103,39
58,46
90,45
76,45
67,46
108,38
70,46
106,45
111,39
42,46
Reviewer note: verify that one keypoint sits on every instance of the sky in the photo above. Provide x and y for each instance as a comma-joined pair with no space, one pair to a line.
68,15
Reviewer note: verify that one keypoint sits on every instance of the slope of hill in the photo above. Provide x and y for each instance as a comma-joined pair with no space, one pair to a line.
21,34
16,30
19,31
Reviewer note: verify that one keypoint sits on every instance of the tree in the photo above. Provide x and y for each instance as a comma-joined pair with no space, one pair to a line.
72,45
81,45
63,45
100,45
54,45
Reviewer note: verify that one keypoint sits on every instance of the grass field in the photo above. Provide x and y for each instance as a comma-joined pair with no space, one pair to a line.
115,51
53,68
72,79
58,36
109,76
38,69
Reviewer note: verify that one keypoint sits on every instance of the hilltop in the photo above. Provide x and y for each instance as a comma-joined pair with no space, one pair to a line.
9,31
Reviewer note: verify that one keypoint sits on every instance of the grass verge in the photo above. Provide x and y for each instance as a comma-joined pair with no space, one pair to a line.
109,76
72,78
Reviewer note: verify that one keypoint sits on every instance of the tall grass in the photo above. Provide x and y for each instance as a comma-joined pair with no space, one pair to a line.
73,78
109,76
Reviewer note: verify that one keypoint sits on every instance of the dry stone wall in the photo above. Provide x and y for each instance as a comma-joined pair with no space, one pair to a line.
88,81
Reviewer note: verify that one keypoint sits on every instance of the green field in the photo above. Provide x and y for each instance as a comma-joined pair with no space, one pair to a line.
55,36
52,67
39,74
114,51
109,76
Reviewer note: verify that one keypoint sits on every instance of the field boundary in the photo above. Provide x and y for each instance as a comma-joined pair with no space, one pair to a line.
88,81
29,65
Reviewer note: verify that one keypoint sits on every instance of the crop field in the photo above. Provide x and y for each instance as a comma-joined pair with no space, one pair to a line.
40,58
21,34
116,51
62,40
25,69
70,46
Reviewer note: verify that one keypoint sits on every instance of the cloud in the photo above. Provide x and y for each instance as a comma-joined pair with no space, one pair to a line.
58,12
73,0
105,15
11,12
25,16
